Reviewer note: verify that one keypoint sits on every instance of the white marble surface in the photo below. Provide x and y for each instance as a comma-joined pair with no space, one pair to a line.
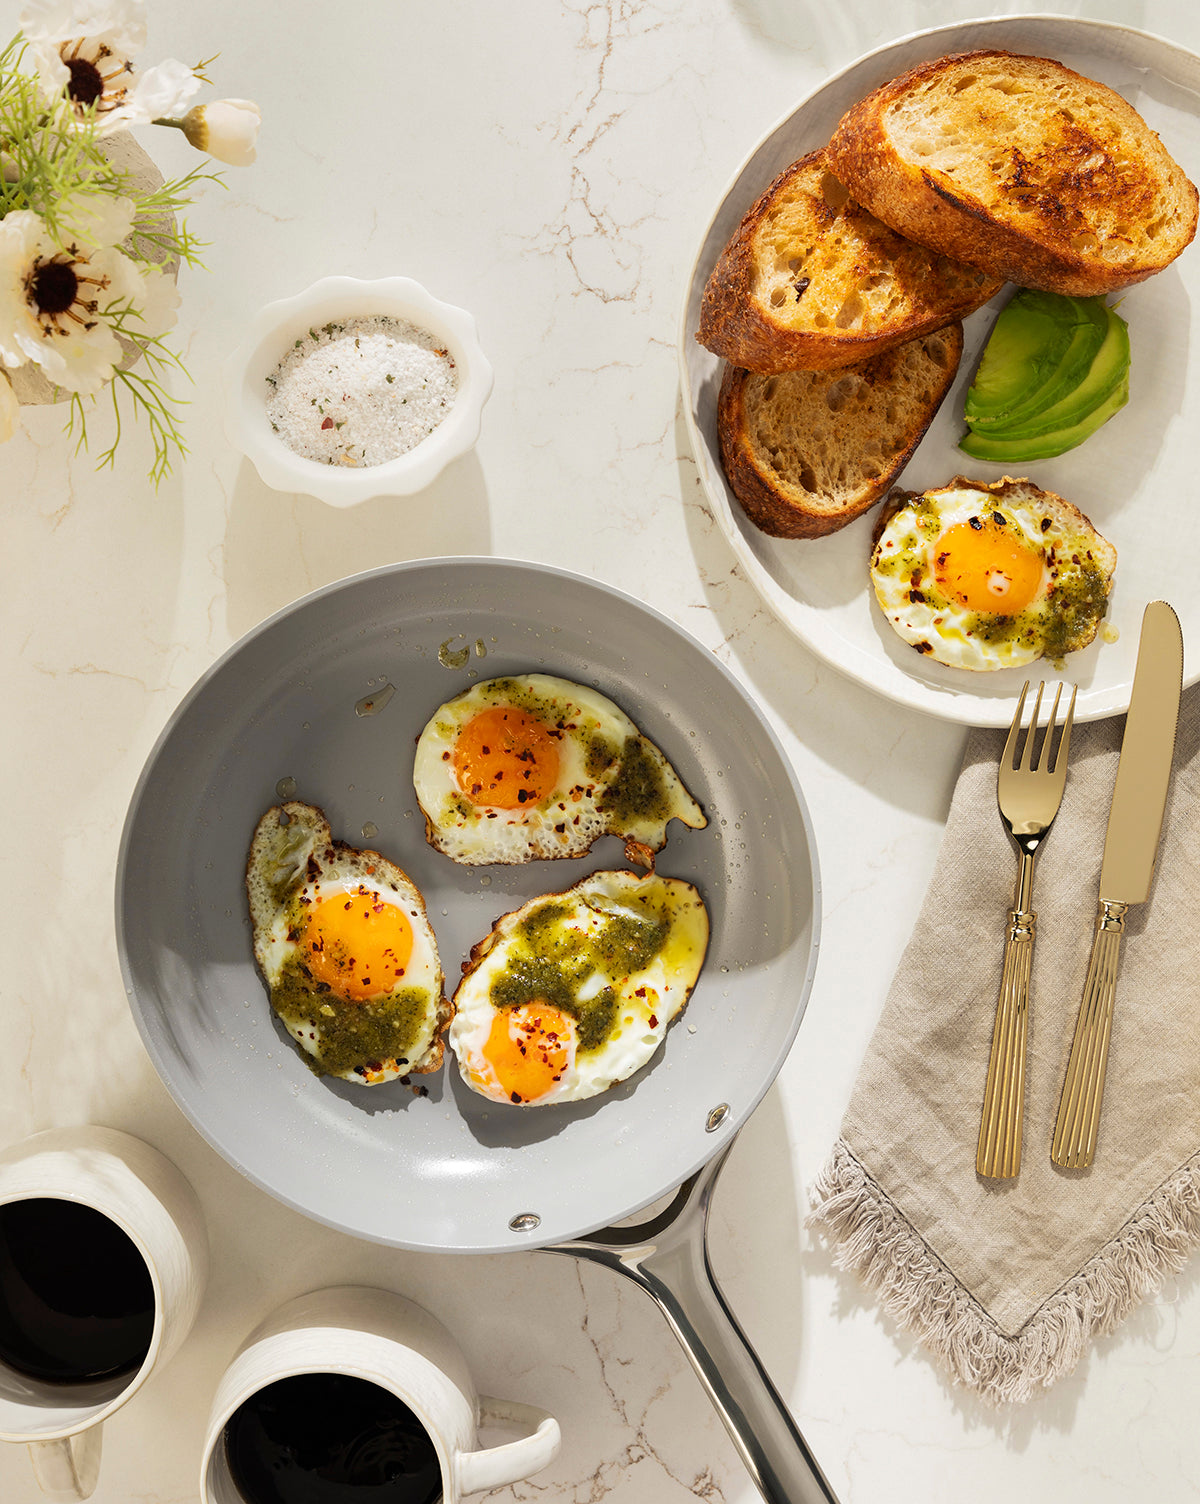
550,166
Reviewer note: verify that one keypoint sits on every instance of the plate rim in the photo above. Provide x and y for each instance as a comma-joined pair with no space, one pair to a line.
949,705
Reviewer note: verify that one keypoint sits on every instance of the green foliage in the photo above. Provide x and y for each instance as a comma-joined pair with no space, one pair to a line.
48,154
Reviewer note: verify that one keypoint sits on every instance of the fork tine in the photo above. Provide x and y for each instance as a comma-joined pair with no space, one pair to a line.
1064,740
1043,761
1027,750
1006,757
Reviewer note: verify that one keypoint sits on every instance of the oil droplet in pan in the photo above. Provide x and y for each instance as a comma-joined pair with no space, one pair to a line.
450,657
370,830
286,788
373,704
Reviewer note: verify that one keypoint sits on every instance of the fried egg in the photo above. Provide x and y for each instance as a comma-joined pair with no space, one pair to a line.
346,949
532,766
990,576
574,991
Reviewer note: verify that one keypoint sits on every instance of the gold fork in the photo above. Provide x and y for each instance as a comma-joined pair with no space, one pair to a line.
1028,794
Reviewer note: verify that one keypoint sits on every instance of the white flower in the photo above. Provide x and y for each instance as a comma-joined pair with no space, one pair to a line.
9,408
226,129
83,47
59,304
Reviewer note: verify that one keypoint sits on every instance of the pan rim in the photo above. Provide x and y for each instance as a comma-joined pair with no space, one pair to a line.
499,565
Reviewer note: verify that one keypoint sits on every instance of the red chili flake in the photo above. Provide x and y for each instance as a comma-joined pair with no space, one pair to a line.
328,423
654,1020
514,1096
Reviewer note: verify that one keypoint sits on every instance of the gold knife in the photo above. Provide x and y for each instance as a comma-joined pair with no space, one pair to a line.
1134,824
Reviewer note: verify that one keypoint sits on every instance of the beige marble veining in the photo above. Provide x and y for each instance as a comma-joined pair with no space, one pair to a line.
551,167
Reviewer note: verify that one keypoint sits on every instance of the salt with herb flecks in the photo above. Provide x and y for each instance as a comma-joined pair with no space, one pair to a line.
361,391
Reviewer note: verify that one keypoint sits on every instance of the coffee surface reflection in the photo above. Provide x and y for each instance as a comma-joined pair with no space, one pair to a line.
330,1438
76,1298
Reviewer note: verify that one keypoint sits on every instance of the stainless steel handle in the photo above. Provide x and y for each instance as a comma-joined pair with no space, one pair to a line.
1074,1143
998,1155
667,1257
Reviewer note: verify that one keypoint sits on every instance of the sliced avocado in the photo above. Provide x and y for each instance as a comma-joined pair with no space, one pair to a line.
1110,366
1009,450
1086,319
1024,350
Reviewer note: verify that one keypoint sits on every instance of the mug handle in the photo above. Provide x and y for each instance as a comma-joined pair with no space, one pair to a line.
68,1468
515,1460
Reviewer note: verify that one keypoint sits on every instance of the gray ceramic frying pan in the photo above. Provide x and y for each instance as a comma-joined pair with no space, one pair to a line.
323,702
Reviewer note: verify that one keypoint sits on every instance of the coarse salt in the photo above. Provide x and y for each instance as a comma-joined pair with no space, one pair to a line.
361,391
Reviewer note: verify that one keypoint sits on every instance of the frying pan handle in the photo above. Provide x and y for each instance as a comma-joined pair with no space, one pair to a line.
667,1257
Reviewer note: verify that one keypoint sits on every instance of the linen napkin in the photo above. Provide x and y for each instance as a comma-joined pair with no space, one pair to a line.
1006,1282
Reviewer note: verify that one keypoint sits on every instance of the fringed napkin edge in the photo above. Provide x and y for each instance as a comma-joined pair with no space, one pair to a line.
871,1237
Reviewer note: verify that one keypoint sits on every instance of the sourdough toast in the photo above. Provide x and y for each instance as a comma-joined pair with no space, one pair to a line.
812,281
1021,167
806,452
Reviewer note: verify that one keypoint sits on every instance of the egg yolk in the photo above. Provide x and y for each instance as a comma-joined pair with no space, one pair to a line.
987,567
357,943
528,1048
505,757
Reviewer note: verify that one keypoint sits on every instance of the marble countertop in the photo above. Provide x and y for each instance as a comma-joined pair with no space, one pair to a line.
549,166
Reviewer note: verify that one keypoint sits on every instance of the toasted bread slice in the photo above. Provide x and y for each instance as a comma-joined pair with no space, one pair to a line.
1021,167
806,452
811,281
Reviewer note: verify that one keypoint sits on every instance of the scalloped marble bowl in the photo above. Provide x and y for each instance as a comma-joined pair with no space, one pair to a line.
274,331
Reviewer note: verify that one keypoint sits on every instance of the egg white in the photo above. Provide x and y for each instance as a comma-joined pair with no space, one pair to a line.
294,864
647,998
578,811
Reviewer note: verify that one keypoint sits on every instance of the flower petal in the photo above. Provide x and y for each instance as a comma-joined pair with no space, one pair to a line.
163,90
96,219
226,129
120,23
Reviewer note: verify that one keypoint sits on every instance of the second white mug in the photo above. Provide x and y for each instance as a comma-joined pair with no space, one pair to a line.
351,1345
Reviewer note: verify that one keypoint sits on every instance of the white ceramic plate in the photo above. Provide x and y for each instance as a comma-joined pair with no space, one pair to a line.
1134,479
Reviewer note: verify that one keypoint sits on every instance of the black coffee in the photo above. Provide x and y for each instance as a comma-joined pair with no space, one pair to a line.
76,1302
327,1438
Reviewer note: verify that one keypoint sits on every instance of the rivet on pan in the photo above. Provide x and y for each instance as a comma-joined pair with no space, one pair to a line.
526,1222
716,1117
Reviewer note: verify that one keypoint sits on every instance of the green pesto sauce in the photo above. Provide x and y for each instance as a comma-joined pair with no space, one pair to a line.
353,1034
1079,600
521,697
550,963
627,945
1004,629
638,791
599,756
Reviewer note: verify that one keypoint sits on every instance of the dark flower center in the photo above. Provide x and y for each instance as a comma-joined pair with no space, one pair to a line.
55,286
85,85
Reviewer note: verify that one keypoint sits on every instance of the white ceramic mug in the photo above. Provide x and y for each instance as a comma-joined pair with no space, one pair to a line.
144,1195
381,1337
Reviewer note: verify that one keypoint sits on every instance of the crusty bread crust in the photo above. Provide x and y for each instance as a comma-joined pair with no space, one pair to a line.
806,452
1021,167
812,281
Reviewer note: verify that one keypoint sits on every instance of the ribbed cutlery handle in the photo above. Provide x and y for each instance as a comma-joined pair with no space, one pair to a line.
1078,1121
999,1153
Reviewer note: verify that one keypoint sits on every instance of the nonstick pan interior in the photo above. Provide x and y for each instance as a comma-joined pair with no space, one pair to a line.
283,710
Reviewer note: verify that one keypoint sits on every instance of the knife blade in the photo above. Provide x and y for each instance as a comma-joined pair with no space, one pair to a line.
1130,849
